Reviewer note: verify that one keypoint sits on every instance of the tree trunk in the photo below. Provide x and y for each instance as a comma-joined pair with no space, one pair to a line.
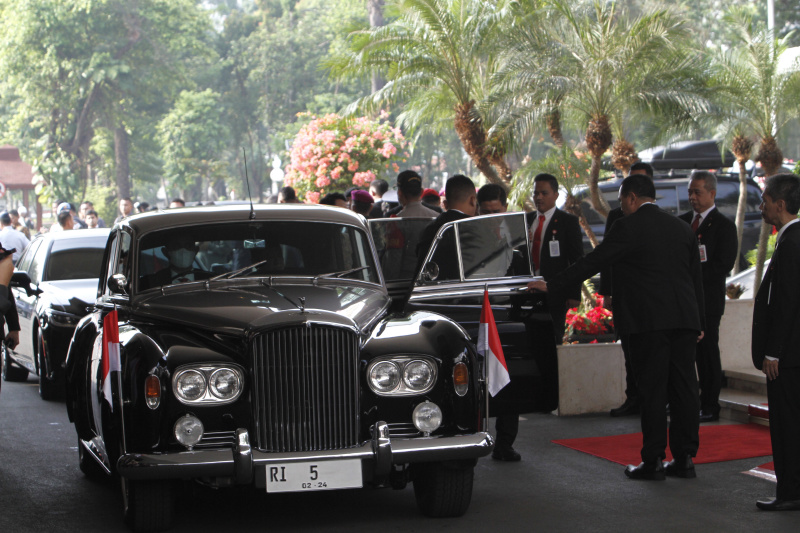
375,10
741,147
598,139
553,120
761,255
740,207
598,202
771,158
573,206
122,166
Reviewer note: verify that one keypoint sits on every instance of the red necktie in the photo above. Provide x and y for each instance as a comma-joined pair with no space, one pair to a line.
537,242
696,223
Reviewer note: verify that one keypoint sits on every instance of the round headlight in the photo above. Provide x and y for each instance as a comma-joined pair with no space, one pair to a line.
384,376
188,430
225,384
418,375
427,417
191,385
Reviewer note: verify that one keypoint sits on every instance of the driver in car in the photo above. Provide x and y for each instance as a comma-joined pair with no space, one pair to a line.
181,253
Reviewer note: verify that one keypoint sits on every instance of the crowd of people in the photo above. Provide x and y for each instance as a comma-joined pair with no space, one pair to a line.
663,276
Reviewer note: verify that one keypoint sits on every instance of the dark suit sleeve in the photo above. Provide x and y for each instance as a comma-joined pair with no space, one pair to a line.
697,280
784,306
11,316
726,248
606,287
574,252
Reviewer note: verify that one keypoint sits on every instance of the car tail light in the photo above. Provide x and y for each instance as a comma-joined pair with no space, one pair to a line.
152,391
461,378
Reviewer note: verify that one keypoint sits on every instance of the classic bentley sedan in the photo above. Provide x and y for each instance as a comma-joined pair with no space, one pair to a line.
260,346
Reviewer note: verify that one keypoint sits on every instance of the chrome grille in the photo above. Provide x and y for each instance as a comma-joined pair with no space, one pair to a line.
306,393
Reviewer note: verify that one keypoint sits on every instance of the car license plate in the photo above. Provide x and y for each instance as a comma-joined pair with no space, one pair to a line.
314,475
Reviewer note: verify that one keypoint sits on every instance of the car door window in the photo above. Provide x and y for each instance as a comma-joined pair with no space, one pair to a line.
37,263
111,262
25,261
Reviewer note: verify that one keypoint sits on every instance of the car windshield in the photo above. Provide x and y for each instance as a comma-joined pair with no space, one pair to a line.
75,259
254,249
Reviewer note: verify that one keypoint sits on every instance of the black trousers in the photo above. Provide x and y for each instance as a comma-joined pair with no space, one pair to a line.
558,312
631,390
709,366
507,427
664,364
783,395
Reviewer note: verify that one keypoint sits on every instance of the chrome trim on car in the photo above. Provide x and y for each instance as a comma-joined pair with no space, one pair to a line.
233,464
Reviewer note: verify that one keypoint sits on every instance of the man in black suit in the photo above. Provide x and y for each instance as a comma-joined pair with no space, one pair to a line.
460,202
631,404
718,244
776,337
377,189
556,244
658,300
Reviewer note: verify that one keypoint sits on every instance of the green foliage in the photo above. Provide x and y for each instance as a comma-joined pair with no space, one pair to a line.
751,254
566,163
104,199
191,135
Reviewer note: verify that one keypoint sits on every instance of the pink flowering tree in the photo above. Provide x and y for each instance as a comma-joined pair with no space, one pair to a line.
334,153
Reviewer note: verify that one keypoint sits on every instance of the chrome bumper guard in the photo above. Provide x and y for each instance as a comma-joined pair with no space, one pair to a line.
240,463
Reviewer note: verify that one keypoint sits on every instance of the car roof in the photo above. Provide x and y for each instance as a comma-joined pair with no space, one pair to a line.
187,216
74,234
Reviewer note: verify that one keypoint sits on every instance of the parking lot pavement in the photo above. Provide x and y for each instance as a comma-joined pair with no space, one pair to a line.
553,488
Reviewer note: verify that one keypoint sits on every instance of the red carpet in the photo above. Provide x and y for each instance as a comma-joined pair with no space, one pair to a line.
717,443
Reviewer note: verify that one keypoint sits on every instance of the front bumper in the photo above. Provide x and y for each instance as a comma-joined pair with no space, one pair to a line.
244,464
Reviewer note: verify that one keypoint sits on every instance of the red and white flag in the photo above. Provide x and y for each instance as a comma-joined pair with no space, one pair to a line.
489,346
110,360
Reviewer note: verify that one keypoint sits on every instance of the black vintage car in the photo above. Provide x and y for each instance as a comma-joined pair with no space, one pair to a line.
55,282
262,347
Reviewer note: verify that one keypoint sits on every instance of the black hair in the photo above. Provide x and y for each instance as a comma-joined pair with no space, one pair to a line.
639,184
641,165
491,192
458,189
785,187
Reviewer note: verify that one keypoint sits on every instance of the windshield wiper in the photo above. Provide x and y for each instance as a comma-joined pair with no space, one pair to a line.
235,273
342,273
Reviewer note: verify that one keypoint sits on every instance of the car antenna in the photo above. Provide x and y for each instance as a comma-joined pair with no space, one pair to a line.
247,181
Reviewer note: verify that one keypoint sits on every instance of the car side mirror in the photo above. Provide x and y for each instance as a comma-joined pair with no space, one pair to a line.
22,280
430,272
118,284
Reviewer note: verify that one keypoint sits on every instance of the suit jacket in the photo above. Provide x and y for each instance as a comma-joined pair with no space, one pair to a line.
718,233
657,279
446,253
776,311
565,229
606,287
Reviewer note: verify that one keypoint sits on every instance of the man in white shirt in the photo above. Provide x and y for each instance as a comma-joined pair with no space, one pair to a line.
11,238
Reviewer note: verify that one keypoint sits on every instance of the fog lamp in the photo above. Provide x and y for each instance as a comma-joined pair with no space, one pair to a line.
152,391
427,417
188,431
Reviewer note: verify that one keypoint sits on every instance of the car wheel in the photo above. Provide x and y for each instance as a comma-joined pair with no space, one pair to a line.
443,490
88,465
148,505
49,389
12,372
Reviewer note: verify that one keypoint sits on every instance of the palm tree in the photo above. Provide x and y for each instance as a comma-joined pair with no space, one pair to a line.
755,96
594,65
438,59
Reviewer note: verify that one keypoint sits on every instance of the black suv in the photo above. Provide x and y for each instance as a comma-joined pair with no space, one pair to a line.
672,196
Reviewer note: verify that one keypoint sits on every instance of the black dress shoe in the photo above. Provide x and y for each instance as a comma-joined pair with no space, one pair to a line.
778,505
630,407
708,417
648,471
683,467
506,453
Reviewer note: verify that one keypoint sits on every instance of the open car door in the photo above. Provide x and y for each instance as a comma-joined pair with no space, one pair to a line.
466,257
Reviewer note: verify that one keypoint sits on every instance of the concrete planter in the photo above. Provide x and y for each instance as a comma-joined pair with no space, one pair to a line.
591,378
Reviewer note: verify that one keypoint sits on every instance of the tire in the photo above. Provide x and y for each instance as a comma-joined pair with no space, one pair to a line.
12,372
88,465
443,490
49,389
148,505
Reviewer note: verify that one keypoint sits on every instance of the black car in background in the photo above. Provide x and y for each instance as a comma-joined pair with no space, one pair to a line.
62,270
672,196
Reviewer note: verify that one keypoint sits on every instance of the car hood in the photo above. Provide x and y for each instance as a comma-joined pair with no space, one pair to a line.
258,307
72,296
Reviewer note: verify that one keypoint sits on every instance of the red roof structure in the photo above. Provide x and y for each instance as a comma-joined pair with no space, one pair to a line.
16,174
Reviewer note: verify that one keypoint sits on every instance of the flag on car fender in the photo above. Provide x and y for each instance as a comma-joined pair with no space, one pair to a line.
489,346
110,360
